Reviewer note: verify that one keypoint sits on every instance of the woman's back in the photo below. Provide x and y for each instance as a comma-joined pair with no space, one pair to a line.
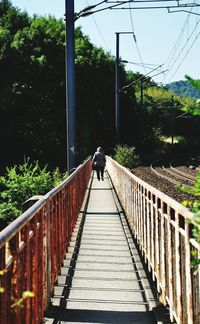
99,157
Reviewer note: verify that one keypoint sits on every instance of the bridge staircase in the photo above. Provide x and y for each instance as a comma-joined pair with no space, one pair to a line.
102,280
88,248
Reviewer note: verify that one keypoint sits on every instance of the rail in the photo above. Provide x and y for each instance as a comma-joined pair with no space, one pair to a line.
32,248
163,232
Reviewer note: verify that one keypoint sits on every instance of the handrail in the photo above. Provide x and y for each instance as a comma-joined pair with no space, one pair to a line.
32,248
18,223
162,229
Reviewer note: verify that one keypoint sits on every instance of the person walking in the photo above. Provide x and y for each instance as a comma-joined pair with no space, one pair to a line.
99,162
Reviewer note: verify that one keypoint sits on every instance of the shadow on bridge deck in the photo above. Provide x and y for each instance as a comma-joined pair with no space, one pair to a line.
102,279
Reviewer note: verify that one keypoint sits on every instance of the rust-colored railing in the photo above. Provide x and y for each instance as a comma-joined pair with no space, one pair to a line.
33,247
163,232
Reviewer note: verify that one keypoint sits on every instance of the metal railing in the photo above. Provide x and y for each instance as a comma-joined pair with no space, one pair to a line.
163,232
32,248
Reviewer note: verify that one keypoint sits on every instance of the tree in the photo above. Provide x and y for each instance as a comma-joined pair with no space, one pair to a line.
33,94
95,95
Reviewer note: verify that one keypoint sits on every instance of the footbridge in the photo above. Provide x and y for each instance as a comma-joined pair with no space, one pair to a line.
112,251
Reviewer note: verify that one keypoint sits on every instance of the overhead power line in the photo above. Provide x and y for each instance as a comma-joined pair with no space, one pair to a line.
186,54
118,5
128,85
146,65
173,51
135,40
171,56
99,31
182,50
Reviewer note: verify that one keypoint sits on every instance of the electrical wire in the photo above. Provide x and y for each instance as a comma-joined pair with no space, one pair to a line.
140,1
175,47
185,55
147,65
173,51
99,31
182,50
128,85
118,5
135,40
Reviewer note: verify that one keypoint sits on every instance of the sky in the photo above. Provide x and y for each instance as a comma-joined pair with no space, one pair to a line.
166,45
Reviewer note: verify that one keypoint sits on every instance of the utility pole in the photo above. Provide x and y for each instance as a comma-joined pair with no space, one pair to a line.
172,119
117,85
141,111
70,87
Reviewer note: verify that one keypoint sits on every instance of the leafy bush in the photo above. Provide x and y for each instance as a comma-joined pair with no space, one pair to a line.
22,182
126,156
194,206
195,190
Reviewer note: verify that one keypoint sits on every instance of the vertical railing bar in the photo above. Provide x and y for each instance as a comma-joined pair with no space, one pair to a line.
157,257
148,233
3,299
134,213
138,202
48,254
141,232
188,274
162,253
26,238
152,239
142,220
169,254
178,269
42,256
35,269
132,207
15,289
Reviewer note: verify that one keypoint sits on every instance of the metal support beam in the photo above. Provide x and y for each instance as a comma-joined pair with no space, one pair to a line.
70,87
117,89
141,112
172,119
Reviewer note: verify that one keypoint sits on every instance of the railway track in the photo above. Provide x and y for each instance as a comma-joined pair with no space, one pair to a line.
166,170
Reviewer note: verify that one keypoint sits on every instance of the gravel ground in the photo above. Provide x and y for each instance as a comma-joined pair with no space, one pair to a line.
169,189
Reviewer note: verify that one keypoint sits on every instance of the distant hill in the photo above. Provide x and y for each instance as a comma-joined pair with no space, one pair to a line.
183,88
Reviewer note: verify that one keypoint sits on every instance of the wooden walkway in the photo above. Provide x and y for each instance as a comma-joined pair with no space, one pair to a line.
102,280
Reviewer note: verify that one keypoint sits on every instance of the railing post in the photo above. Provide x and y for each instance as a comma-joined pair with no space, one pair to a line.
178,269
162,296
188,277
48,255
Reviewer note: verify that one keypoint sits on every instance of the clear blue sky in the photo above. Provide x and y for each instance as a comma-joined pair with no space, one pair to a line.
162,38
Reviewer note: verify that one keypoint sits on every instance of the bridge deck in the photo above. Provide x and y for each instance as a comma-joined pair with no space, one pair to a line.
102,280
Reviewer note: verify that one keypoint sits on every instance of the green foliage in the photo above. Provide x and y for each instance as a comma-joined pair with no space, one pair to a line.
32,97
19,303
8,212
195,83
22,182
194,206
126,156
195,190
184,88
2,273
